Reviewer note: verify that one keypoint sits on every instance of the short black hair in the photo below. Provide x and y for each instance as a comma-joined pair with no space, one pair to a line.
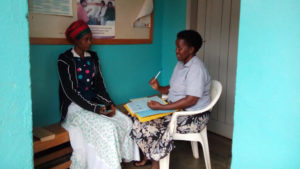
192,38
81,1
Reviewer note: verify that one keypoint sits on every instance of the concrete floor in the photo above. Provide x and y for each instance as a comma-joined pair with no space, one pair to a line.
182,156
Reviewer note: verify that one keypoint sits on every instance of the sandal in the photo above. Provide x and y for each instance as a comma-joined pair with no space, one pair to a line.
148,162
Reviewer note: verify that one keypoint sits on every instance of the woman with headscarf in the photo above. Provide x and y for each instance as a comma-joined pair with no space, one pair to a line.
99,133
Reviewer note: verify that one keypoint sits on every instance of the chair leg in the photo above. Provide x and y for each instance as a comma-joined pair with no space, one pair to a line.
205,148
164,163
195,149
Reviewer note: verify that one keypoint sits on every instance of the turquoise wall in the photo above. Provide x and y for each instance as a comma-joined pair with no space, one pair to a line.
266,118
126,68
15,97
174,19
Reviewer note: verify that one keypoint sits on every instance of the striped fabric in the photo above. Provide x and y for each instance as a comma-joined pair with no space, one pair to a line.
77,30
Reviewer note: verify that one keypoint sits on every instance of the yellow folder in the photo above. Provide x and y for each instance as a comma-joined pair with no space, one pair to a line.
149,117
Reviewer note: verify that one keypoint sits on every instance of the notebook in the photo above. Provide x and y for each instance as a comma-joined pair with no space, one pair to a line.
139,108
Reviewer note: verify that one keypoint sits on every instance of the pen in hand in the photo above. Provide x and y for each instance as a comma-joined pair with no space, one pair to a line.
157,75
154,83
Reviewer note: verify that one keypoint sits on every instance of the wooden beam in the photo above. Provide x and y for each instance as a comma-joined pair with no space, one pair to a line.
61,136
52,156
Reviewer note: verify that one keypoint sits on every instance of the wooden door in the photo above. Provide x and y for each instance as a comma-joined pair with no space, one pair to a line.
217,21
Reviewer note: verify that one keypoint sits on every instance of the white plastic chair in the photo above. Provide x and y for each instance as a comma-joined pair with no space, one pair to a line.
215,92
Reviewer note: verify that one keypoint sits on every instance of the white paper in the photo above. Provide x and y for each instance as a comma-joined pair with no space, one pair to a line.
144,17
141,104
95,14
51,7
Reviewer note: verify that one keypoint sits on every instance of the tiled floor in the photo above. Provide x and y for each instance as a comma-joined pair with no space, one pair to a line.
182,156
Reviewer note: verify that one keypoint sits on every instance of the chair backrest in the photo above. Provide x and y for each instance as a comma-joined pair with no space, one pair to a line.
215,92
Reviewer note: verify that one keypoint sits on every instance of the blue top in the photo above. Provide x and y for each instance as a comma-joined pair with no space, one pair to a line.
191,79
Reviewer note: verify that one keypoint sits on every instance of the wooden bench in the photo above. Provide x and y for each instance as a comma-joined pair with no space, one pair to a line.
53,153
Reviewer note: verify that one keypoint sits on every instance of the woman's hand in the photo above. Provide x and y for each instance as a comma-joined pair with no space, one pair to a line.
155,105
154,84
108,113
112,111
103,110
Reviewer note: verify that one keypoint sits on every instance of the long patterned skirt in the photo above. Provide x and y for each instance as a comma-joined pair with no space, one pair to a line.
99,141
153,137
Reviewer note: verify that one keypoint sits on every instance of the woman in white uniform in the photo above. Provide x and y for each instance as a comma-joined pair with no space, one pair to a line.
188,90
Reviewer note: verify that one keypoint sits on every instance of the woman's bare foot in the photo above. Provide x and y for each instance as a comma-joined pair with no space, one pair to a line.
155,165
141,163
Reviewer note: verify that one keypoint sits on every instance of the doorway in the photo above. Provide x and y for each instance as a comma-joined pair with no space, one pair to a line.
218,21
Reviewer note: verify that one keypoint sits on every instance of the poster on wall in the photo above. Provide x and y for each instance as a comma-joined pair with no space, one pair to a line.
143,20
99,15
51,7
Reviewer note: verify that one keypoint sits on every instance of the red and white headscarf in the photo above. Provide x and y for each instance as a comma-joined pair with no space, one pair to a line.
77,30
